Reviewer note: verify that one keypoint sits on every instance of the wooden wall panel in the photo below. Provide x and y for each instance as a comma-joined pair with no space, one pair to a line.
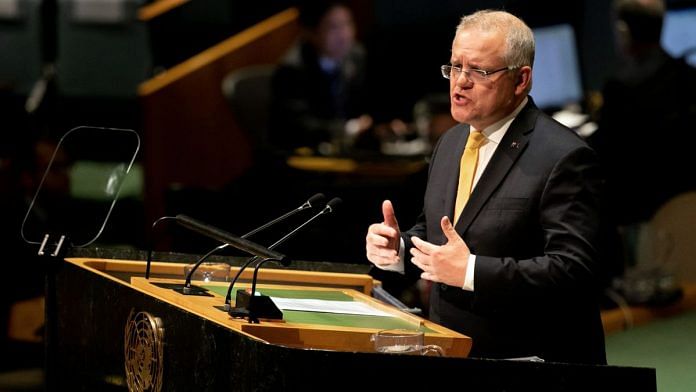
190,135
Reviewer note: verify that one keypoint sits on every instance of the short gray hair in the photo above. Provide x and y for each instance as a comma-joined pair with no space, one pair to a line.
519,39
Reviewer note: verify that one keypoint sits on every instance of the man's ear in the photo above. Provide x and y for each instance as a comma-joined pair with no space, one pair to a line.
524,80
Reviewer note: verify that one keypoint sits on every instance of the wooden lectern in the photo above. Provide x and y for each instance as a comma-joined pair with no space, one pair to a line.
110,328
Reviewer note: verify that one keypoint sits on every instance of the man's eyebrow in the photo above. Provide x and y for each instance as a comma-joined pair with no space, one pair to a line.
468,64
456,60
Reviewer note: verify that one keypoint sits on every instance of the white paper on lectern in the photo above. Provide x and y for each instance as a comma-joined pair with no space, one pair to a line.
325,306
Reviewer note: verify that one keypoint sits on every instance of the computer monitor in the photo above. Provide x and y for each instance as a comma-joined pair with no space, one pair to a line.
679,33
556,72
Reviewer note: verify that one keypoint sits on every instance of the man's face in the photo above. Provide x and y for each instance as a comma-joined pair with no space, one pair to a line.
481,103
336,33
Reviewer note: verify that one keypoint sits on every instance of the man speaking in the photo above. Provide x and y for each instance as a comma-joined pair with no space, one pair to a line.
510,223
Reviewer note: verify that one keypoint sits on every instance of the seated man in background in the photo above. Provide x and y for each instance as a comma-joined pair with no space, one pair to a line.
646,136
319,91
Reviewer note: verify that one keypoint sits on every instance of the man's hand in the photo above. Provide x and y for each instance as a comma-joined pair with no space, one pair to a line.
442,263
383,239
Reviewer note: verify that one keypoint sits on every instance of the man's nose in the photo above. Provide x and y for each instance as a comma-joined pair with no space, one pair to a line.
462,79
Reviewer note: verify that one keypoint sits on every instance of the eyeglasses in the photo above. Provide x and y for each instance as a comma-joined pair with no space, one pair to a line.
473,74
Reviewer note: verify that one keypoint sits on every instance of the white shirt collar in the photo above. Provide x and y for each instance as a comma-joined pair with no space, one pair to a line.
496,131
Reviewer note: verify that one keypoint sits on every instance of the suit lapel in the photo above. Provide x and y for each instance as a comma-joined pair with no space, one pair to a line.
511,147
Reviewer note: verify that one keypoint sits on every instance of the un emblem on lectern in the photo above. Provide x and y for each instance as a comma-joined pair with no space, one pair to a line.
143,352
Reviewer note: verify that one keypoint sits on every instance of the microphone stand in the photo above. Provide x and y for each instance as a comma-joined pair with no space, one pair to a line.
149,246
225,237
187,289
261,306
253,306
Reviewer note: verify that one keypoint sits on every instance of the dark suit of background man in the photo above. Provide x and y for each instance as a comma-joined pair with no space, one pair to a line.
517,272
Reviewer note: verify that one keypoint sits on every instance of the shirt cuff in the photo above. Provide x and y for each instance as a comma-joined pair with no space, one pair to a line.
397,267
469,275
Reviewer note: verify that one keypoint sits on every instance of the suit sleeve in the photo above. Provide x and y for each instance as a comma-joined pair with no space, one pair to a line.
569,215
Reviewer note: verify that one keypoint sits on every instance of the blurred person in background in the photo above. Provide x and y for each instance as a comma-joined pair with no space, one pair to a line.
319,90
646,127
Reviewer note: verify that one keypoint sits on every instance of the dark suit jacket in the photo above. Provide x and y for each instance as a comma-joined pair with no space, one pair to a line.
533,222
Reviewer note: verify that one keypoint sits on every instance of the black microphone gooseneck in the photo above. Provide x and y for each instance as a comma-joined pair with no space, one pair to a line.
242,267
312,201
228,238
149,246
329,208
248,299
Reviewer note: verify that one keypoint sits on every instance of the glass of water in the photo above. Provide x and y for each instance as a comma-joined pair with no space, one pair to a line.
404,341
208,272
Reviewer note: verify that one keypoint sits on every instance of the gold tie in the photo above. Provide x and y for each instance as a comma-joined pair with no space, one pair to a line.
467,170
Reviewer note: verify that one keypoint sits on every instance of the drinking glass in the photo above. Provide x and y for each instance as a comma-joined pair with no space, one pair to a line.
208,272
403,341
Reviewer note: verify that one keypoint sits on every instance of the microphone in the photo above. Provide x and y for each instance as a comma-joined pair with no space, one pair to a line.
255,307
312,201
228,238
328,208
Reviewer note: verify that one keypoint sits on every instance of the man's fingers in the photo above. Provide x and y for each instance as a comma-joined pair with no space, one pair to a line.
415,252
448,229
429,276
381,261
382,240
389,215
379,247
424,246
381,256
377,240
382,252
383,230
421,260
